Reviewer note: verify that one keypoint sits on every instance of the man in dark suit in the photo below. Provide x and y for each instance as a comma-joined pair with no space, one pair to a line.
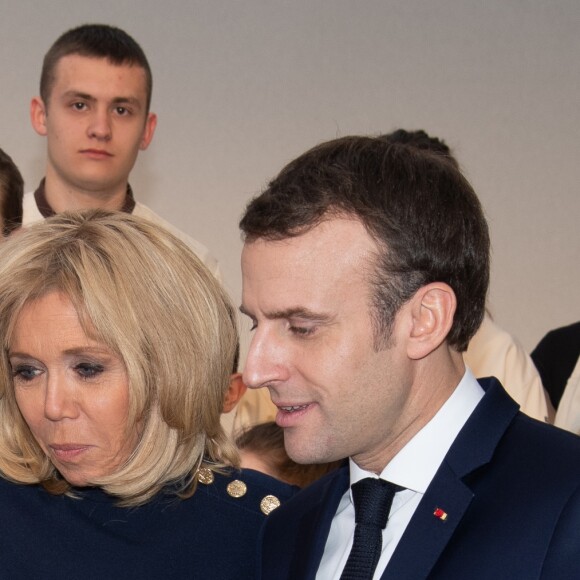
365,272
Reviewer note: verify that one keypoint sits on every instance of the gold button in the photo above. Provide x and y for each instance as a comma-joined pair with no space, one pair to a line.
237,488
205,475
269,504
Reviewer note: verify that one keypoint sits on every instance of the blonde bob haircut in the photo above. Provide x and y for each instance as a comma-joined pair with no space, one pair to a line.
143,293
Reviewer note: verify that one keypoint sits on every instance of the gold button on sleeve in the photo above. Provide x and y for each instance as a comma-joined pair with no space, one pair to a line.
237,488
205,475
269,504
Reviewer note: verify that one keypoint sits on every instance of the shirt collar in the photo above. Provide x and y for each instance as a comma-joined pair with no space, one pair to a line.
47,211
416,464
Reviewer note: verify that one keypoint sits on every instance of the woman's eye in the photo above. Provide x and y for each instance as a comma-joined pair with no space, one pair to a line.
25,372
89,370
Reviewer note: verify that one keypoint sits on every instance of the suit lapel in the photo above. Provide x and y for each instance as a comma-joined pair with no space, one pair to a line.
315,526
428,532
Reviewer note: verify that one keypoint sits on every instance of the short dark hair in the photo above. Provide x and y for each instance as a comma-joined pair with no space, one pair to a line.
422,213
11,193
421,140
97,41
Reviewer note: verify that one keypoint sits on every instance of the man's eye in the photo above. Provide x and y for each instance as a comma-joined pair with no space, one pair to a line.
122,111
25,372
79,106
302,330
89,370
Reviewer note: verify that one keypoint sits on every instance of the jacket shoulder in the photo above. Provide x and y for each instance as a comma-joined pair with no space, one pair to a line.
246,490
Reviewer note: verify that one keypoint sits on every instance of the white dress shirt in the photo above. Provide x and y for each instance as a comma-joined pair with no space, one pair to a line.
412,468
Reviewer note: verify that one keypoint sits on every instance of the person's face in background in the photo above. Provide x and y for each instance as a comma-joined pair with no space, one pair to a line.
72,391
95,122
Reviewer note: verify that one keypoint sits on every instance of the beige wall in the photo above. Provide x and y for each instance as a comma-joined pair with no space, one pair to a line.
241,87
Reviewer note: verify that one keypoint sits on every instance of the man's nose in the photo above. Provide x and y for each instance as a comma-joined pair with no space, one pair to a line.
100,125
267,360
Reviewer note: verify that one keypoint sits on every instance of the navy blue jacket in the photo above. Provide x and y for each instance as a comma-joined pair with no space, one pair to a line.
211,535
509,484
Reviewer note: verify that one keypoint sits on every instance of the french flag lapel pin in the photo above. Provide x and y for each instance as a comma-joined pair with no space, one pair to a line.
440,514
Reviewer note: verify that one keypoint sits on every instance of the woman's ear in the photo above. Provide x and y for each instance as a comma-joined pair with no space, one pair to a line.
235,392
432,309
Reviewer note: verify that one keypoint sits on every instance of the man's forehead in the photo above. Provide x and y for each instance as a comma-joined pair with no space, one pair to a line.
78,59
74,76
336,240
339,228
73,66
308,272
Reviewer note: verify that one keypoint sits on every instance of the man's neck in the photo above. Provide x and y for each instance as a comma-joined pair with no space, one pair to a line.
75,199
434,382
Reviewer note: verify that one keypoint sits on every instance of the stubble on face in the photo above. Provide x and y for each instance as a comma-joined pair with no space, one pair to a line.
337,394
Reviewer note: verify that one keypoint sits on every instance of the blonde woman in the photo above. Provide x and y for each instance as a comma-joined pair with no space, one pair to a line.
118,345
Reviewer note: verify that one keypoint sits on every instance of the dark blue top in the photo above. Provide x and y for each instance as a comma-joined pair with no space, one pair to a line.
211,535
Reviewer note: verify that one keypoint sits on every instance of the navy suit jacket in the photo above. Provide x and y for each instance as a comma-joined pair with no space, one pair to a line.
509,484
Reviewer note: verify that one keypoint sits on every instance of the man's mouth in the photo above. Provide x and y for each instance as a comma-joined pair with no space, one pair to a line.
96,153
292,408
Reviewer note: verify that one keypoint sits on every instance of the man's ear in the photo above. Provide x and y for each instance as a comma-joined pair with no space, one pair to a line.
235,392
432,309
148,131
38,115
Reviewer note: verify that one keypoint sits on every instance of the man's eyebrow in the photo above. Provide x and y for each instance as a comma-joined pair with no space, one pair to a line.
296,312
127,101
121,100
78,95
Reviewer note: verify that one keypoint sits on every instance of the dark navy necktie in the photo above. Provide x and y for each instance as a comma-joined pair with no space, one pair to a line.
372,503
